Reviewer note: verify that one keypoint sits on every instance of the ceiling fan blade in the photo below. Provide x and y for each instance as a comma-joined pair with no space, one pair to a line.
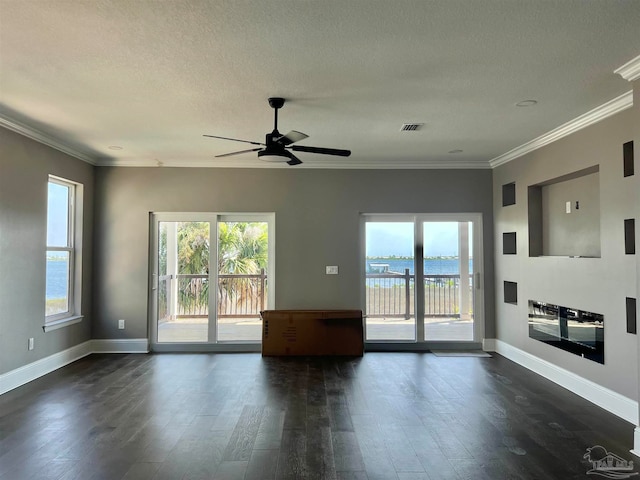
233,139
325,151
238,153
291,137
294,160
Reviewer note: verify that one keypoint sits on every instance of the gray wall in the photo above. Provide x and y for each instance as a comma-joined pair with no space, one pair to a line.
634,184
24,169
317,224
592,284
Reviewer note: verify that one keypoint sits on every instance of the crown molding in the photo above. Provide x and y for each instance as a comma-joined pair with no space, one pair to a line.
610,108
325,163
38,136
631,70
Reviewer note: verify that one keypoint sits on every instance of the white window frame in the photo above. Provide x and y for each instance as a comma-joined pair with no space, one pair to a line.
419,219
214,218
74,248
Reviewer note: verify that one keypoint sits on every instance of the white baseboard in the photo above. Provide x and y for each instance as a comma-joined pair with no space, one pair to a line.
611,401
27,373
31,371
122,345
636,442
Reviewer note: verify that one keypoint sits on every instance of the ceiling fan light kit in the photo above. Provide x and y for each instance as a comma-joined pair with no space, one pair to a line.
277,147
273,157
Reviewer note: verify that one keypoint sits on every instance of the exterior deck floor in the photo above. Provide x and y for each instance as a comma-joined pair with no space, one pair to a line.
189,330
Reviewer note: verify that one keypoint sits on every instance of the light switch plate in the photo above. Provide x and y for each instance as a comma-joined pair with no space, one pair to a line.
332,270
567,207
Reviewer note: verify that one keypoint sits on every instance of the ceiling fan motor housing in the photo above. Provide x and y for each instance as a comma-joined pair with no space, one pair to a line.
276,102
270,140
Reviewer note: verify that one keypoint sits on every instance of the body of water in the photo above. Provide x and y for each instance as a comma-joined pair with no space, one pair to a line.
440,266
57,282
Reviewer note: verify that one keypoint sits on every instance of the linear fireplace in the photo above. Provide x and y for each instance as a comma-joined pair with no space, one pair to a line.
576,331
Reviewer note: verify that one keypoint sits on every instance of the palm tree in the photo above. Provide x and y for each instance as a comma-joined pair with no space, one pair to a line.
242,247
242,250
193,259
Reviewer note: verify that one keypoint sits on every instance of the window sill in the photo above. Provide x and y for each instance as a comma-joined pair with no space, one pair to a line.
63,322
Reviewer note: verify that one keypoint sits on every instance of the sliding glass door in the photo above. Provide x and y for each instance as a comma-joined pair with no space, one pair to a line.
448,280
390,280
183,293
419,273
243,249
210,278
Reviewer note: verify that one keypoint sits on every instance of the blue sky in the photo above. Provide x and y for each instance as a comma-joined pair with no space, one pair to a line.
396,238
57,216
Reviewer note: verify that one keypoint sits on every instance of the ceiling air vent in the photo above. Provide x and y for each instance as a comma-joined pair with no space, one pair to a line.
411,127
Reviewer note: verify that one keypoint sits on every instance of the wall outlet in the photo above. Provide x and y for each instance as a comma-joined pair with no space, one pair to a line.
32,343
332,270
121,324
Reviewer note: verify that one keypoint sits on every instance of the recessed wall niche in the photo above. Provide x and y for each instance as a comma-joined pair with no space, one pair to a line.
630,236
631,315
508,194
509,243
564,215
627,154
511,292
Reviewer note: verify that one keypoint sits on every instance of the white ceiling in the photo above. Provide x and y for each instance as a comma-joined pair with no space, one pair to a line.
154,76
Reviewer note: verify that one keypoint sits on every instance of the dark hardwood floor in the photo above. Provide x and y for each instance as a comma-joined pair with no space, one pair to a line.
403,416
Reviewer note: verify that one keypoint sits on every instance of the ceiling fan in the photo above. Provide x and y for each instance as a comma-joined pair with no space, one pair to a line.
278,147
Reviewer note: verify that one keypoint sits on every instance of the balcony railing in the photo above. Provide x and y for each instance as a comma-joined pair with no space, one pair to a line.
242,295
392,295
239,296
388,295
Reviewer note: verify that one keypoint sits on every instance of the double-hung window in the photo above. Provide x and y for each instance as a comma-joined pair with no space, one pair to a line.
63,269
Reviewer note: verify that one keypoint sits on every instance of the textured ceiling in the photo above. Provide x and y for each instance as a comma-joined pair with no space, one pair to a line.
154,76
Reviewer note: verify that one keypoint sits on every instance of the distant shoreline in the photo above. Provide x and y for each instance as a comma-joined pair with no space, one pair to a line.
398,257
